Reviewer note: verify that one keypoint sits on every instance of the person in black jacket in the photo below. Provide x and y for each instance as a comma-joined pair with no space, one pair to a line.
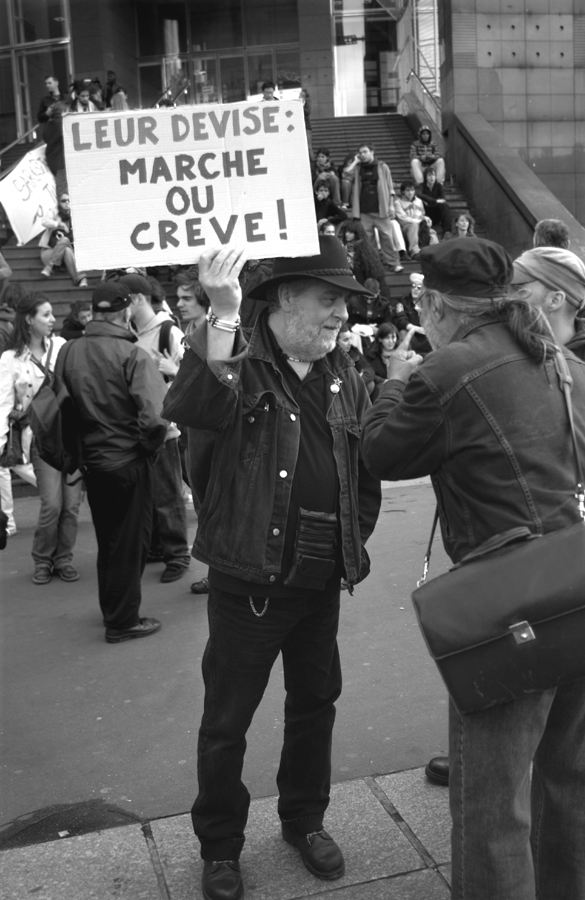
325,208
74,324
433,197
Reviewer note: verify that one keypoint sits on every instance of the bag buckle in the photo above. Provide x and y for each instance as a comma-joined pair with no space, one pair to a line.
522,632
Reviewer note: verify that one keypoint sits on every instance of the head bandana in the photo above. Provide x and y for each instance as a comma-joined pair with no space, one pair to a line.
557,269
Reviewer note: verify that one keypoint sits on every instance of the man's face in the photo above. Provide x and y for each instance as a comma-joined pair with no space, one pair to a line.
365,155
425,137
189,309
111,77
314,318
415,290
408,193
431,178
84,97
268,93
52,85
322,193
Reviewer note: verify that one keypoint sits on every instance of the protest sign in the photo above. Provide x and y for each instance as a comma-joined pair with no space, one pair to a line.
28,195
152,187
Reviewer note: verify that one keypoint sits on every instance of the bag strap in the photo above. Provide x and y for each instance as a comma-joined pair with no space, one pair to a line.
164,337
44,368
566,383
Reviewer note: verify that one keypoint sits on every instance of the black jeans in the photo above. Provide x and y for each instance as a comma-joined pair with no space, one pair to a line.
240,653
121,508
169,506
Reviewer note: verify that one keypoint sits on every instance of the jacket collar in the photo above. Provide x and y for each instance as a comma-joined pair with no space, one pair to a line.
109,329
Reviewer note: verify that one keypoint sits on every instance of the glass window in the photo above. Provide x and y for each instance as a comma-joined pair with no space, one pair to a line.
7,110
39,20
4,36
269,23
151,86
33,69
216,24
204,80
259,71
162,28
233,85
288,73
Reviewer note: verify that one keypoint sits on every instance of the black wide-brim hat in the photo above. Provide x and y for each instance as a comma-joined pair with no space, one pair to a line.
330,265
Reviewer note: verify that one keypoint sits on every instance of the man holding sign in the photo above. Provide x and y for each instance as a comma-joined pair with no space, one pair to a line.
286,510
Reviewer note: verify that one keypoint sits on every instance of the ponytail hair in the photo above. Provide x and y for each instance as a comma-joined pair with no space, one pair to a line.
527,323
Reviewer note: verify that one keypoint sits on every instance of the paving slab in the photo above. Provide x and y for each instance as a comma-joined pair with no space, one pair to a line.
425,885
373,847
424,807
114,863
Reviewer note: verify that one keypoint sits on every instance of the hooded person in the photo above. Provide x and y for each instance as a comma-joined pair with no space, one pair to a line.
424,153
286,510
553,279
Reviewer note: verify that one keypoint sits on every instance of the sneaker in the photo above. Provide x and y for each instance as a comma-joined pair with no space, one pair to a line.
82,282
67,573
398,268
43,572
143,628
47,271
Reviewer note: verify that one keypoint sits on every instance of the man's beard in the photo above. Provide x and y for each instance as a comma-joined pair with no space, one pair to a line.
305,342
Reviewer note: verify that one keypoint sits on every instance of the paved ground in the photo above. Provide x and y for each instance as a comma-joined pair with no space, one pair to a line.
97,735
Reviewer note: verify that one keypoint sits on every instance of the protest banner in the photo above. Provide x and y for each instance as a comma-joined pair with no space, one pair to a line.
28,195
159,186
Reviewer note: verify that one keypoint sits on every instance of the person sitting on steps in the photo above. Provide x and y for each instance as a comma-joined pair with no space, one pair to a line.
57,243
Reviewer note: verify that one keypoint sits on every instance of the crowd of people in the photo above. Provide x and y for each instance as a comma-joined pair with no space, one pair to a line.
294,388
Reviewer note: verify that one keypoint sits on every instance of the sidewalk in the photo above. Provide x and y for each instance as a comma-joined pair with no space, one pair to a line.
394,831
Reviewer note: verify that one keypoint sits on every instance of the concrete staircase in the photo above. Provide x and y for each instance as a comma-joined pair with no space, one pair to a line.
392,137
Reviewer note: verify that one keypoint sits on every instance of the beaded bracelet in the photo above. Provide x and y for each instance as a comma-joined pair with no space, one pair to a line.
222,324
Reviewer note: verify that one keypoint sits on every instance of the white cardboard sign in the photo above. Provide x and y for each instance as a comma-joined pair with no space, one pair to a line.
152,187
28,195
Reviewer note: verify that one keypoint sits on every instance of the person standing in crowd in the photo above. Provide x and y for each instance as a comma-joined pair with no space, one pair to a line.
118,395
53,95
553,280
268,92
466,415
82,101
286,511
31,352
56,243
170,515
436,207
373,204
424,153
551,233
119,98
305,99
54,149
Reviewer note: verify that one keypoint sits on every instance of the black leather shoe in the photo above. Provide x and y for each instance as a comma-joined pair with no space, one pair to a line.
143,628
319,852
200,587
437,770
222,880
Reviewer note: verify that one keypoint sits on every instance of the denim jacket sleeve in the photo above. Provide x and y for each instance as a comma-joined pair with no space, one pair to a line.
405,433
204,393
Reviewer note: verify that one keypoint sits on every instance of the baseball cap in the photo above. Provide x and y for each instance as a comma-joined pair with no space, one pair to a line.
110,296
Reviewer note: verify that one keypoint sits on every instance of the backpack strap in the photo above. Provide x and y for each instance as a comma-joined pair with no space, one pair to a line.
164,337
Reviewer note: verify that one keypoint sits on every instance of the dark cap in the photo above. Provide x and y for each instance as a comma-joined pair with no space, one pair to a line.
331,265
110,296
136,284
467,267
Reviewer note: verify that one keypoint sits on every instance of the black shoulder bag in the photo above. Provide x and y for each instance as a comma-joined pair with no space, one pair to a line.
509,619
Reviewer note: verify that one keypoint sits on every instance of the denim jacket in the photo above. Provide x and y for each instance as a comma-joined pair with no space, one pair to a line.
490,425
244,461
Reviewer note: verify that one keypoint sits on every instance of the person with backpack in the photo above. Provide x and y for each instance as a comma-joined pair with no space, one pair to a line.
163,341
28,360
118,395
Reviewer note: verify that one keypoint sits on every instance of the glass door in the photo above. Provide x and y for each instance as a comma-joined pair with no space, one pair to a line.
204,80
232,78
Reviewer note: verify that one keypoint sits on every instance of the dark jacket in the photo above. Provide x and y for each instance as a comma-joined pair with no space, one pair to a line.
489,424
577,343
245,497
117,391
72,328
364,310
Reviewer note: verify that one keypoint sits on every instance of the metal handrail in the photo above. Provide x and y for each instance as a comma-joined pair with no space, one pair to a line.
18,140
420,82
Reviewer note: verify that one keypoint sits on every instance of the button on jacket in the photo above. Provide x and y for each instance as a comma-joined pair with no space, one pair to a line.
490,425
244,465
